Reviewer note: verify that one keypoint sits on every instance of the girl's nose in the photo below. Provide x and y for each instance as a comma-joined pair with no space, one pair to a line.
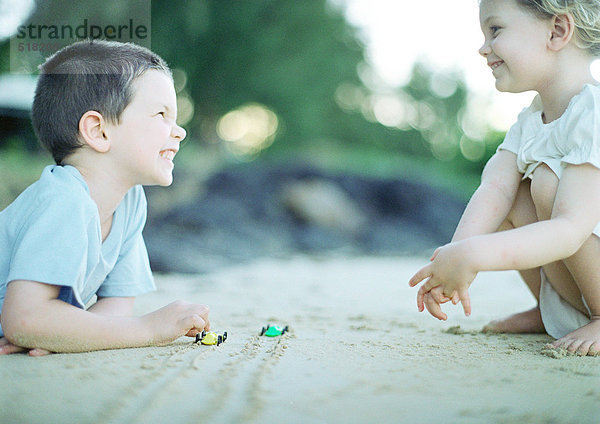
485,49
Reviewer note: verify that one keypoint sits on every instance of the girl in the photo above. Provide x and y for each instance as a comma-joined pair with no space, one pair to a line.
537,209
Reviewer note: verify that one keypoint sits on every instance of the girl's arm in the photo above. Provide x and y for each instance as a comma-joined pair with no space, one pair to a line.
575,214
488,208
493,199
33,317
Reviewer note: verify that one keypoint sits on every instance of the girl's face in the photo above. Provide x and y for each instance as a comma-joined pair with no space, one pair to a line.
515,45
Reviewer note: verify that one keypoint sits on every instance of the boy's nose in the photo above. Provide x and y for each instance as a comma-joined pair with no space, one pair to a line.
178,132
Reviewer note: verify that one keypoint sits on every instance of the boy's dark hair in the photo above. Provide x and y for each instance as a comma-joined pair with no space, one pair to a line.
87,75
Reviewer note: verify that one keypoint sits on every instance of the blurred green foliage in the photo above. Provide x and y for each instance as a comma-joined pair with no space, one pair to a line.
287,55
293,57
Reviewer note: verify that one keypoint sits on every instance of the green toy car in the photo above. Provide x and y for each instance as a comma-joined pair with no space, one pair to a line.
273,330
210,338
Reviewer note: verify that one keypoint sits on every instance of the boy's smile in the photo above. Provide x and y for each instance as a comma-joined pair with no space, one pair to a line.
147,139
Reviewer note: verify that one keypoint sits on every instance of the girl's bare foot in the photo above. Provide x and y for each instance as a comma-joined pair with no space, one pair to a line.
524,322
583,341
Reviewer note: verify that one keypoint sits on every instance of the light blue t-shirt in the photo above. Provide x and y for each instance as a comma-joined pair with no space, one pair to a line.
51,234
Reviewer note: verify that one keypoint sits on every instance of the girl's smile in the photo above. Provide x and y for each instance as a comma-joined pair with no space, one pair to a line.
495,64
514,45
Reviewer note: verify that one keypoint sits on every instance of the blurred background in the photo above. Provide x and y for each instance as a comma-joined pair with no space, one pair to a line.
317,126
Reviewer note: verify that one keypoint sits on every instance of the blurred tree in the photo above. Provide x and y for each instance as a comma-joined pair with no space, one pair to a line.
4,57
292,57
288,55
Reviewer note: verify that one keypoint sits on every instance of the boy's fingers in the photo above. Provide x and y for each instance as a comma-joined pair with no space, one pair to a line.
39,352
434,308
201,324
8,348
466,301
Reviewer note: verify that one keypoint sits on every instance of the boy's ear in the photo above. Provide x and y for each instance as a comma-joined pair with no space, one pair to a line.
561,31
92,130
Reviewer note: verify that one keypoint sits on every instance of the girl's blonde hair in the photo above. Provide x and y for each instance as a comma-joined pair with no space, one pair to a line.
586,14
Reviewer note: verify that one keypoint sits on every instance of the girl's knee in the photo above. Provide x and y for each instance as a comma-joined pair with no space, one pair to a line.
544,184
522,211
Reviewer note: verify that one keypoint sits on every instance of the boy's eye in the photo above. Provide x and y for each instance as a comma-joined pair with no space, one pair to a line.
494,29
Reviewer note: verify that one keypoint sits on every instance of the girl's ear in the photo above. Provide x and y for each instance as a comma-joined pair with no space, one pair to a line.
92,131
561,31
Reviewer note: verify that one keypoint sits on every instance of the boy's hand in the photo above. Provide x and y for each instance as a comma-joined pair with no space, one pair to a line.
449,269
177,319
6,348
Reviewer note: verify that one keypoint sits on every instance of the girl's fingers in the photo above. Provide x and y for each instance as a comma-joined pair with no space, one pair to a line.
434,307
421,274
439,295
466,301
420,297
423,290
435,253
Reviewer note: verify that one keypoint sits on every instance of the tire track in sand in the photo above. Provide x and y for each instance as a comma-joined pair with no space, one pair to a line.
238,394
138,399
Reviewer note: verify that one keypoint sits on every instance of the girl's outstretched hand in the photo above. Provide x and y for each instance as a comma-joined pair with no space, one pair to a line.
433,299
449,270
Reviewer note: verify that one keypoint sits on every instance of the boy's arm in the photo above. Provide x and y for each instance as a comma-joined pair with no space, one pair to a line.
33,317
493,199
115,306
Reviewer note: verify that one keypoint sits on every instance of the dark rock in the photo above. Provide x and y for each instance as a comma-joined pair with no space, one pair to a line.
240,214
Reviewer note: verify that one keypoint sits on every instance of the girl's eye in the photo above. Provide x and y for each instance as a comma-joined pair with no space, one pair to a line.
161,114
494,30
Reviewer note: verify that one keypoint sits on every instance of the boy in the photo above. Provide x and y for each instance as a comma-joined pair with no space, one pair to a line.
106,112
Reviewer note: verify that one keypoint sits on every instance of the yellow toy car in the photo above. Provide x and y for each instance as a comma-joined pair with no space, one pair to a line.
210,338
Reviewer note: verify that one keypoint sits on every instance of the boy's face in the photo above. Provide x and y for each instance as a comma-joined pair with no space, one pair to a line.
146,140
514,46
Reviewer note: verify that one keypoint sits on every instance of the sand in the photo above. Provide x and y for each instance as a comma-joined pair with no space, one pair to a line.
358,351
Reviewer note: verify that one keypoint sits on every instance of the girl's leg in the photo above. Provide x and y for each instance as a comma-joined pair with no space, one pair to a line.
575,276
543,188
522,213
585,268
